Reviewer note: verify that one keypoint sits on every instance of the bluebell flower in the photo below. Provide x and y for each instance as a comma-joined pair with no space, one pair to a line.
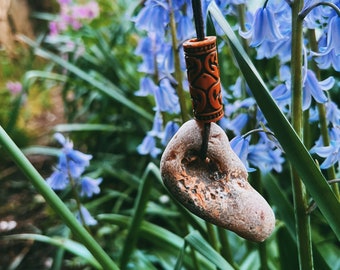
240,146
313,88
79,158
156,130
148,147
330,59
147,87
318,16
169,131
153,17
237,87
282,95
238,123
58,180
89,186
185,27
329,52
332,113
88,219
71,163
263,28
265,158
166,97
333,35
147,48
325,58
334,135
165,60
331,154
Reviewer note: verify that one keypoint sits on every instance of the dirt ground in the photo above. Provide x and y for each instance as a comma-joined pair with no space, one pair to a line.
22,209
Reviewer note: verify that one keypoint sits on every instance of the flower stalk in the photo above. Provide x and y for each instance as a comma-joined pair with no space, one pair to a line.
178,71
299,193
322,114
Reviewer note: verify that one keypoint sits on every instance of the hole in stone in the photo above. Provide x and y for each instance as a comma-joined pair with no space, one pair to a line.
206,170
212,196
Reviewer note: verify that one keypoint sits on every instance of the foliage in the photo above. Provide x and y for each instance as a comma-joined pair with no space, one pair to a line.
125,94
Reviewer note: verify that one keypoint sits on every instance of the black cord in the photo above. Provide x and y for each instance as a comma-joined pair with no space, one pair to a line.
199,25
198,17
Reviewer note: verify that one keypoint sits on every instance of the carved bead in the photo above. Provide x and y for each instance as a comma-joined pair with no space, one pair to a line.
204,78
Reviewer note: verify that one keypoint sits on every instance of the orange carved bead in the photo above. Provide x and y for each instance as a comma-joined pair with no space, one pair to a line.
204,78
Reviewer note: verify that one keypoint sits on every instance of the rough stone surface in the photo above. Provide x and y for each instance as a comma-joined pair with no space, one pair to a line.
215,189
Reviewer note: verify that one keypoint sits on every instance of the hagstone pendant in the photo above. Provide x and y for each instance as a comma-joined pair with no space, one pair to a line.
215,189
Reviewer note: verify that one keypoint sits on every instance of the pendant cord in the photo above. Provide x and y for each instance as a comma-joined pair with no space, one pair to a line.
198,18
199,25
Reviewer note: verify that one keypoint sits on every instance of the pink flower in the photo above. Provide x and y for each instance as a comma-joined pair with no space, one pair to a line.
87,11
14,87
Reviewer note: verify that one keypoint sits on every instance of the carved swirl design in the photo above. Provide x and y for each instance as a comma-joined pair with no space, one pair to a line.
204,79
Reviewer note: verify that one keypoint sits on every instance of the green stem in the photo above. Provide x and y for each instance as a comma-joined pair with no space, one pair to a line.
138,216
299,193
322,113
177,63
55,202
76,197
212,239
262,247
225,247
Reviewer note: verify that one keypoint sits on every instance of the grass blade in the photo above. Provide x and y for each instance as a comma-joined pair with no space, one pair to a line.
71,246
196,241
104,85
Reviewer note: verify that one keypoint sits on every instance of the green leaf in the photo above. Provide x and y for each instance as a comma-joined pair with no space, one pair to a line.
296,152
71,246
104,85
86,127
196,241
41,150
158,235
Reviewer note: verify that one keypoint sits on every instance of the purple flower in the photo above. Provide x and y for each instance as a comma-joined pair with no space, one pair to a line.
166,97
14,87
147,49
333,36
148,147
331,154
89,186
156,130
282,95
78,158
264,28
154,17
325,58
314,88
73,15
147,87
238,123
58,180
265,157
333,113
169,131
64,2
71,163
88,219
87,11
240,146
185,29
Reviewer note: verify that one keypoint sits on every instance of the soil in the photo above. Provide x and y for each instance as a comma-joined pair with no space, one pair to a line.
22,209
